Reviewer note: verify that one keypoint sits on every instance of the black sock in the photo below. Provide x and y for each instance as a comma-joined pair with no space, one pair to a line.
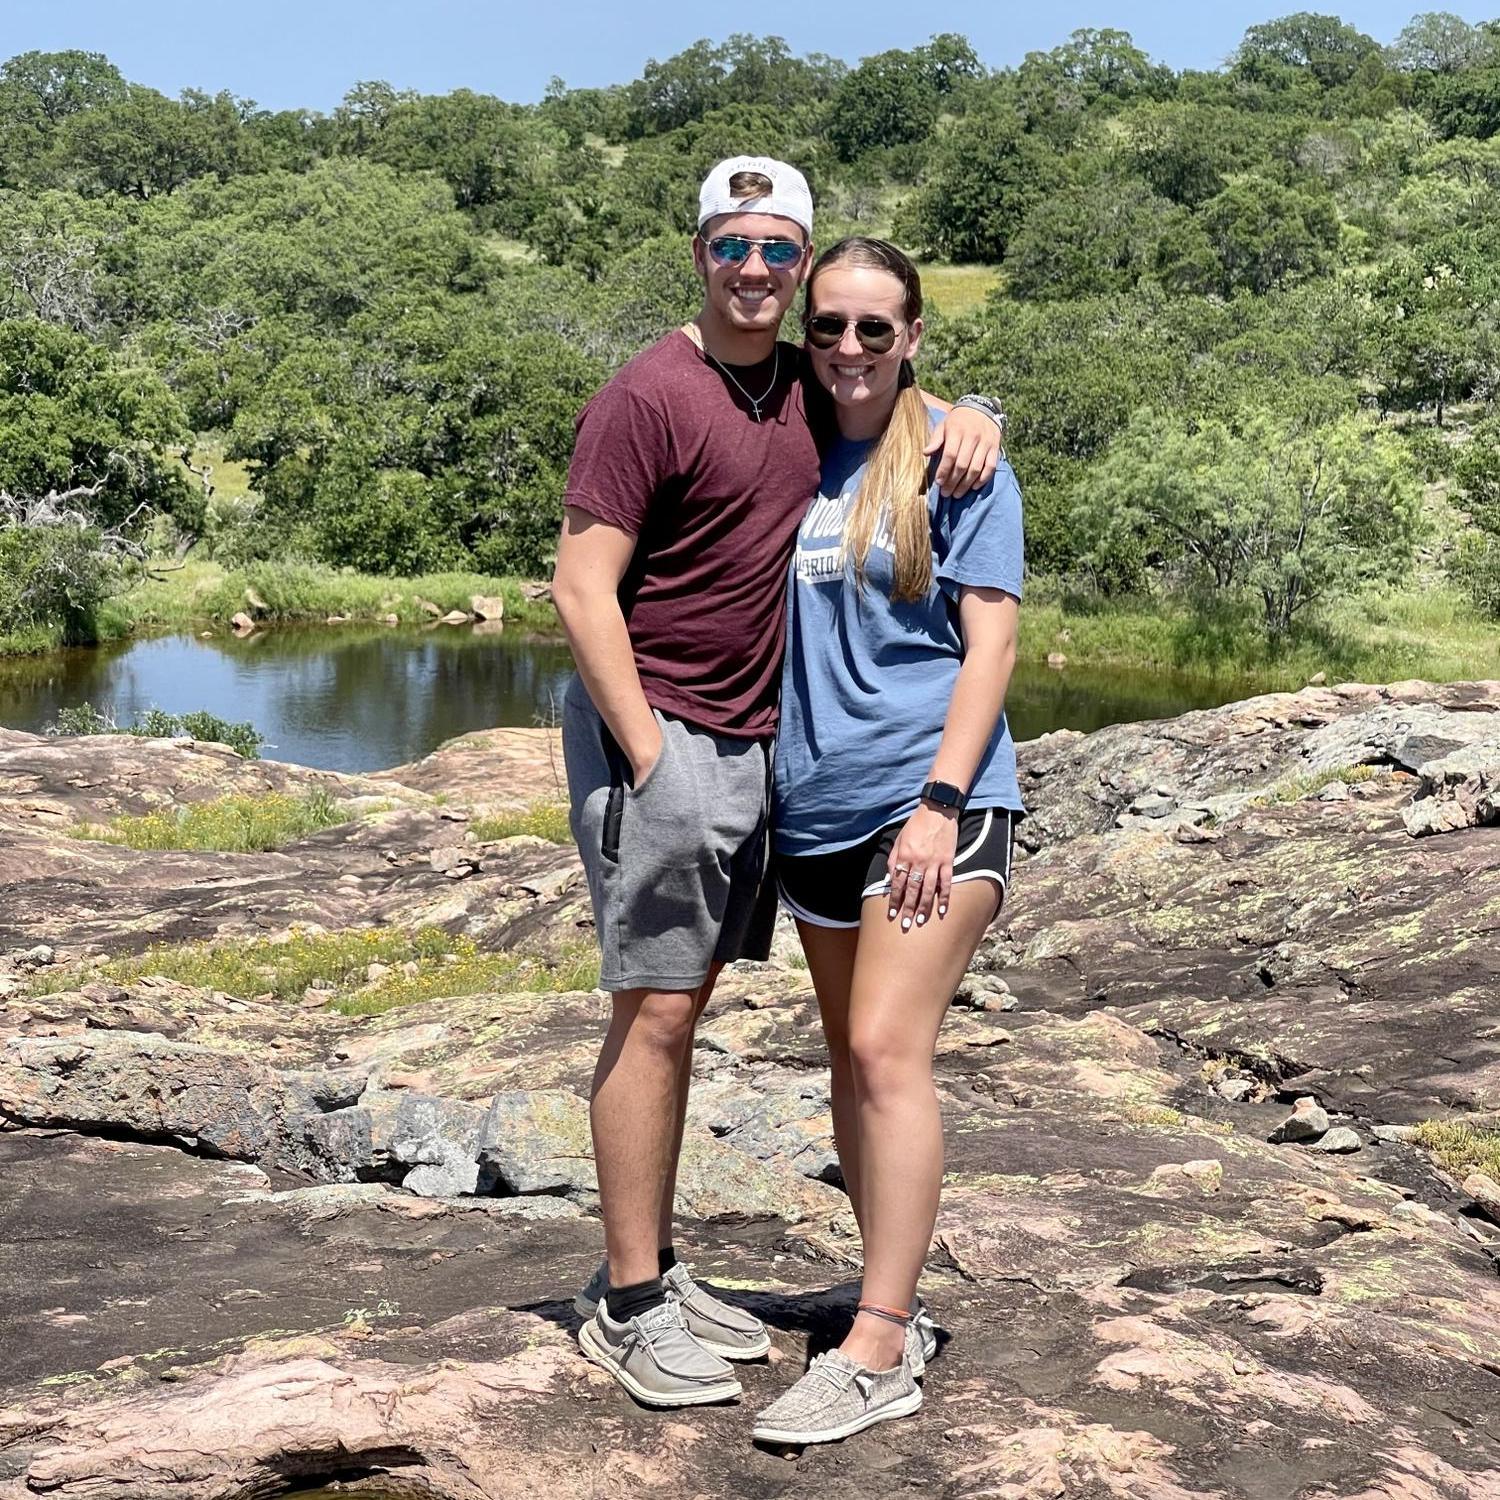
665,1260
625,1302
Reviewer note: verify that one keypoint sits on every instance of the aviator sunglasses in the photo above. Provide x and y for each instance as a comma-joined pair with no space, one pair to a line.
875,335
734,250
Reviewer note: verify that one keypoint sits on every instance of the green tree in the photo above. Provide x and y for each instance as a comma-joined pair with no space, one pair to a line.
144,143
39,93
1437,41
1437,331
986,174
88,433
888,100
1259,235
1477,475
1087,238
1327,48
489,152
1466,103
1284,513
1105,62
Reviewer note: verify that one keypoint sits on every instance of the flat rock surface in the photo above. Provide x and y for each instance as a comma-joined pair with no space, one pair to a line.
220,1283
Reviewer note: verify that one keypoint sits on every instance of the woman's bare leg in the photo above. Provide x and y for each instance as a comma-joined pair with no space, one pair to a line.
830,961
902,985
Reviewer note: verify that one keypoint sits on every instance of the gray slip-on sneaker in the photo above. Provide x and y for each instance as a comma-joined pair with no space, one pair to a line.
926,1328
656,1359
837,1398
916,1358
586,1303
729,1332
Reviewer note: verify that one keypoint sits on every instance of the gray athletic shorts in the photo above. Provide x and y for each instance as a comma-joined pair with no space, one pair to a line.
677,866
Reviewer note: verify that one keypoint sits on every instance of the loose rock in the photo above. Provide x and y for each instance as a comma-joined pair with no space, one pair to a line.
1307,1121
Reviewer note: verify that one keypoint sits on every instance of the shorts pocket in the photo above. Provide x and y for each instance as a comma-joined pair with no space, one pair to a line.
654,775
614,812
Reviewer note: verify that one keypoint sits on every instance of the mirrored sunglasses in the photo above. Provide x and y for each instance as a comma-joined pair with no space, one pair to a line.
734,250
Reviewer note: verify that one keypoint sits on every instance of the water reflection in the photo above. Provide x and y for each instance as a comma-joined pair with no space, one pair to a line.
346,700
360,699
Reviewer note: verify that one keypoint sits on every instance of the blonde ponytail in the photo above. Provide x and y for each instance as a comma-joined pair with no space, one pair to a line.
894,491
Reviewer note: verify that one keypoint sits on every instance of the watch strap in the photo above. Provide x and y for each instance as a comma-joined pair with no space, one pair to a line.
945,794
974,401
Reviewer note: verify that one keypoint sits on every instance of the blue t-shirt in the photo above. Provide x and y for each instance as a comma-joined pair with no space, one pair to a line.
867,679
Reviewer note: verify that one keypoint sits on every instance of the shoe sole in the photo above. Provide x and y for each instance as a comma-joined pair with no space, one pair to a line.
586,1308
801,1438
706,1396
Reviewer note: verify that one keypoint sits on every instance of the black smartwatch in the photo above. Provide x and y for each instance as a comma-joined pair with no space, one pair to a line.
945,794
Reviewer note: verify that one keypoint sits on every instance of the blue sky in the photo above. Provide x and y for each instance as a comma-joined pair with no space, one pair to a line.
284,53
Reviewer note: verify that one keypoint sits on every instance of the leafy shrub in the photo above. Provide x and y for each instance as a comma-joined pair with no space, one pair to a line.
1476,570
243,738
53,582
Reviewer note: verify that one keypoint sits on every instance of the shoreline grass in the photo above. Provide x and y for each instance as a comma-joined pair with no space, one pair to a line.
301,593
1430,633
1425,630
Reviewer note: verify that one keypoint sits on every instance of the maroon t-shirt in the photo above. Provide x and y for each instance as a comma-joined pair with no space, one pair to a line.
671,452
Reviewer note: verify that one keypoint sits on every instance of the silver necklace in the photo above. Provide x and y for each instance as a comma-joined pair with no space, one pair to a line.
765,395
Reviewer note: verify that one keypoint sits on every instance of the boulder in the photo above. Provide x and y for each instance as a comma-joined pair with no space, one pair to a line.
1339,1141
1307,1121
1457,790
538,1142
487,606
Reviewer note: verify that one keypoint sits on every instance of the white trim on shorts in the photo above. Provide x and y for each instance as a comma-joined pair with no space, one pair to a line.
881,887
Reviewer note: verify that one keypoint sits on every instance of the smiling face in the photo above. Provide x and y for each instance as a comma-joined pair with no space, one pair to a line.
747,302
855,377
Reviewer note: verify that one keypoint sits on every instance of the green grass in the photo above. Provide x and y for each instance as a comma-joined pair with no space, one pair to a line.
466,970
293,591
422,965
1375,637
232,825
1298,787
956,290
1462,1148
229,477
543,820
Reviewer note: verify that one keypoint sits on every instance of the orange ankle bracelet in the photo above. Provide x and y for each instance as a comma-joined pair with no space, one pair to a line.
892,1314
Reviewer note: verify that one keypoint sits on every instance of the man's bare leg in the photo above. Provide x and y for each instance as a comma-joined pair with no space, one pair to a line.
635,1115
684,1088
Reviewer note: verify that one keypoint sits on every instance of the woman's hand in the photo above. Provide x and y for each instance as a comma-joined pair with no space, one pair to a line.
921,865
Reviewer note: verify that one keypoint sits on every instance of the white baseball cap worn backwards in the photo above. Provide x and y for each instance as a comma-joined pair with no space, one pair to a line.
789,197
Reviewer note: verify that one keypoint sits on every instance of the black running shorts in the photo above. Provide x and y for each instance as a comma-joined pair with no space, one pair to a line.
829,890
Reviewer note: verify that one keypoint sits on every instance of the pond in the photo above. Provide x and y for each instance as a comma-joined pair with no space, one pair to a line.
364,698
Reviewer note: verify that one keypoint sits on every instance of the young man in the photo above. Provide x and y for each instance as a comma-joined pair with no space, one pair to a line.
692,470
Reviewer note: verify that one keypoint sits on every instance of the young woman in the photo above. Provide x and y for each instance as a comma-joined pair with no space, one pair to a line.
896,797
